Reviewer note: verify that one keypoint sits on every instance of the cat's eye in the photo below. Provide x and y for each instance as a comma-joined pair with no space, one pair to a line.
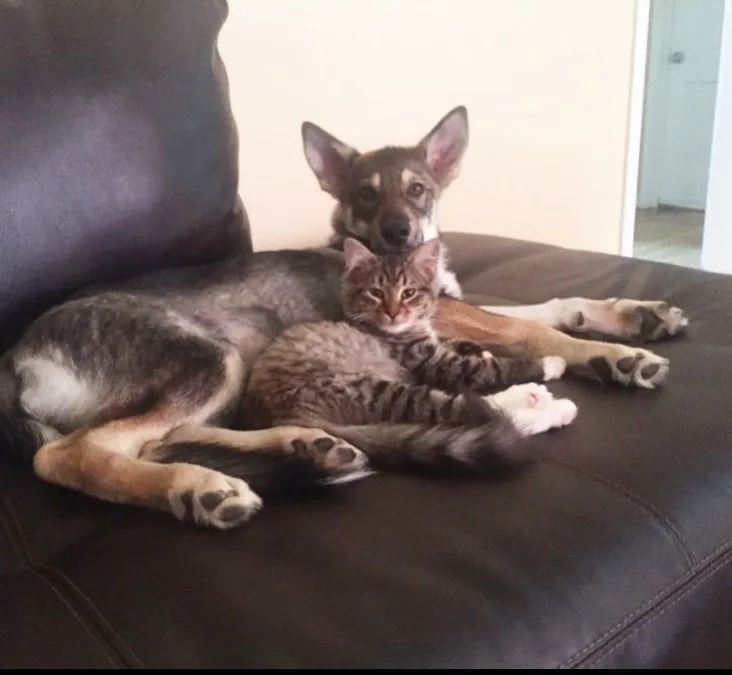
367,194
408,293
415,190
376,293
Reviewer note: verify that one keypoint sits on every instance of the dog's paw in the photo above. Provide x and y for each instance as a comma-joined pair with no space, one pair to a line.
631,367
651,320
554,367
209,498
330,452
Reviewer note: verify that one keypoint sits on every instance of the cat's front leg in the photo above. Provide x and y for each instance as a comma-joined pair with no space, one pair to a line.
442,367
463,347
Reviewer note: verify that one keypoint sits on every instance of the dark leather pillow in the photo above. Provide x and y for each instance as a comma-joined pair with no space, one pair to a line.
118,150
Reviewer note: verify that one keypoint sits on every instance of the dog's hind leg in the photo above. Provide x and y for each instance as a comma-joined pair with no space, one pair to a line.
103,462
618,318
102,456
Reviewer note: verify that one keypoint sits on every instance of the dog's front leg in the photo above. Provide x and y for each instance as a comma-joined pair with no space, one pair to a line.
618,318
604,361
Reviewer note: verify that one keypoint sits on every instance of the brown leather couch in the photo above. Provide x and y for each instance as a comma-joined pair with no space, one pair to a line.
118,157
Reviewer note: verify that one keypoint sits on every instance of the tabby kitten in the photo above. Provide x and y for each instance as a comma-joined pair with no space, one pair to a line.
383,382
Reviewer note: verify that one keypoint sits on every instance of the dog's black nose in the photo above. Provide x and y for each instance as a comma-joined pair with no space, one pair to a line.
395,229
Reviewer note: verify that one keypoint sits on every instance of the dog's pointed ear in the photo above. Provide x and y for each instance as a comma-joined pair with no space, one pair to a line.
426,257
445,145
355,254
328,157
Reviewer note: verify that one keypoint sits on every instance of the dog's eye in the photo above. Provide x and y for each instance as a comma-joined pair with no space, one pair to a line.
367,194
408,293
376,293
415,190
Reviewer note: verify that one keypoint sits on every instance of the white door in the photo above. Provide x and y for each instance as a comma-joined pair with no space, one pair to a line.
717,242
682,77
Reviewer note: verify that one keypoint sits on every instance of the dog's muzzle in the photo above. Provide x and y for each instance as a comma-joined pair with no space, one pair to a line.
397,234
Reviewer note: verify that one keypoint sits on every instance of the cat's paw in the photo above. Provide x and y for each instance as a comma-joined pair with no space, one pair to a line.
209,498
519,396
554,367
465,347
557,413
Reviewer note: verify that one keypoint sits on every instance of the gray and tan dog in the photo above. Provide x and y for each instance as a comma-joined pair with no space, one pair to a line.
93,390
388,200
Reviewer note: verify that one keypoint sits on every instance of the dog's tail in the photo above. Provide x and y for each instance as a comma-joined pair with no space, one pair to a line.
489,446
20,435
268,471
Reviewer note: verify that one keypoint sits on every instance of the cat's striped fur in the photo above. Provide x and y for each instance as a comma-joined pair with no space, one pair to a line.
382,381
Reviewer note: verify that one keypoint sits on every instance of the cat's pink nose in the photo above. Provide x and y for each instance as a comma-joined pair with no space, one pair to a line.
392,312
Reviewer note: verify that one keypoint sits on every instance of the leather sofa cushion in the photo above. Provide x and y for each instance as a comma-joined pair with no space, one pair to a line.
614,551
118,150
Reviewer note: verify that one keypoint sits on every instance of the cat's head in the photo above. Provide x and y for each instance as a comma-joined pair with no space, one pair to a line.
395,292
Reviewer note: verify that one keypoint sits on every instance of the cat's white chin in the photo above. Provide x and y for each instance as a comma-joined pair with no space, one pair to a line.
397,328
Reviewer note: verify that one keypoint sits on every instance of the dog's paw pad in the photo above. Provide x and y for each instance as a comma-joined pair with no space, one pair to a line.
652,320
208,498
328,451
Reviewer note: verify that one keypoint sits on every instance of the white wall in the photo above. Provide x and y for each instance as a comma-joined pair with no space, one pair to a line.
546,82
717,242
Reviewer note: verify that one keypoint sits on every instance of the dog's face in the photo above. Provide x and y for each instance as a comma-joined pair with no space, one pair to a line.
388,198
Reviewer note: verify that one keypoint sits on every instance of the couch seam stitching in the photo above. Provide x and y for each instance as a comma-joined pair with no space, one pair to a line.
15,532
13,539
631,617
637,500
75,614
75,589
660,611
33,564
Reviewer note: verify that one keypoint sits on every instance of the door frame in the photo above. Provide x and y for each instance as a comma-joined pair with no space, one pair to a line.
717,238
636,108
655,96
717,234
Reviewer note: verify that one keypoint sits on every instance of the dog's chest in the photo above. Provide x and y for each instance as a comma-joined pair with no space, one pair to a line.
449,284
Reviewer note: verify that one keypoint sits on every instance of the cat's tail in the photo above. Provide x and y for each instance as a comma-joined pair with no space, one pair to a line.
486,447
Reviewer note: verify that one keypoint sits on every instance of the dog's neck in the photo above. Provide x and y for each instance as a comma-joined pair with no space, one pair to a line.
343,226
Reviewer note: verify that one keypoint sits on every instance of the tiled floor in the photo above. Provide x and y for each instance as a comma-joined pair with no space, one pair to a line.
669,235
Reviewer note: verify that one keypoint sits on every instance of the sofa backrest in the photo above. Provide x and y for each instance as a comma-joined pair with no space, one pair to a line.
118,150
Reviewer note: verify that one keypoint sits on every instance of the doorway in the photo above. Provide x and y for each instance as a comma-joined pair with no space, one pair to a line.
682,73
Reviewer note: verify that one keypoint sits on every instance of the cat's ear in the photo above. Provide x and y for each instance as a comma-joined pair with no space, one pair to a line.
328,158
355,254
426,257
